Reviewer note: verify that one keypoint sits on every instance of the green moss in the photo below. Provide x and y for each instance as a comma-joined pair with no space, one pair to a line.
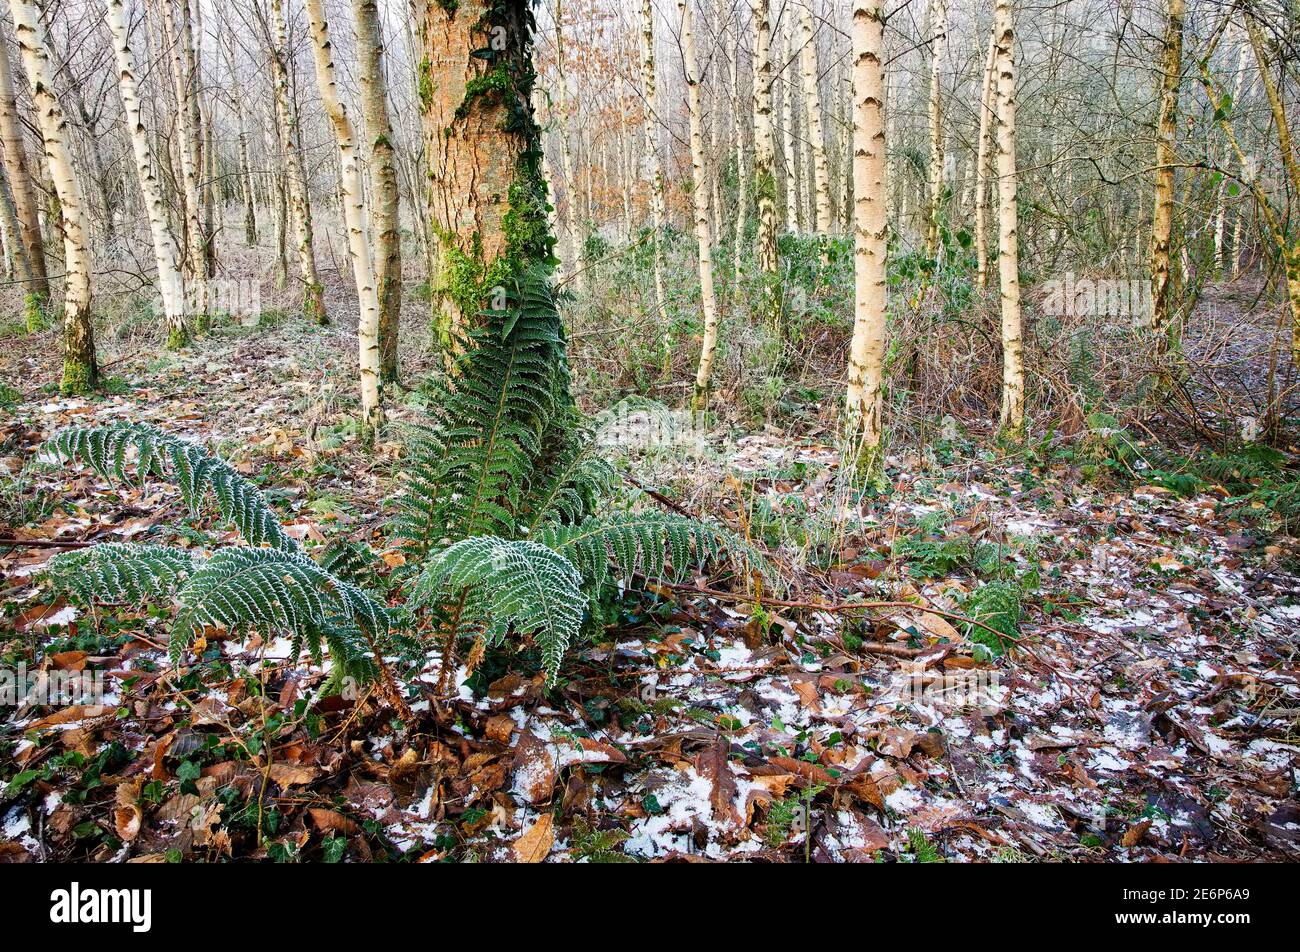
34,312
424,83
178,338
496,80
78,377
313,305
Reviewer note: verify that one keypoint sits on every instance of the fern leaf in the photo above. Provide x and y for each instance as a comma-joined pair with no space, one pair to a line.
123,572
268,589
509,585
194,470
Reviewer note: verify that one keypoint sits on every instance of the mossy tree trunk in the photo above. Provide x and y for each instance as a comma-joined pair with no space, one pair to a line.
80,368
487,195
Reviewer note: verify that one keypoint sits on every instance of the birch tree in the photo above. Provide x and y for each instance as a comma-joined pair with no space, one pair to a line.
765,163
286,124
573,228
983,151
700,194
385,197
938,41
21,186
813,108
167,253
654,168
80,367
1012,418
865,400
355,219
177,32
1162,219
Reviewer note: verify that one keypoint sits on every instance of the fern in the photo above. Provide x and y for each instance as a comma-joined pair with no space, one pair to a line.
195,471
501,488
508,585
123,572
653,544
492,423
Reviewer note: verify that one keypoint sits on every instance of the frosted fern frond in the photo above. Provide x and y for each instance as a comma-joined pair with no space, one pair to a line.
508,585
654,544
657,545
194,470
123,572
271,590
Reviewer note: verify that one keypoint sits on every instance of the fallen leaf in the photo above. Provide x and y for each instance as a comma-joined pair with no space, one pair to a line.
535,843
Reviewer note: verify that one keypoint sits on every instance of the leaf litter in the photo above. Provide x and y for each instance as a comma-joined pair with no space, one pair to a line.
1145,709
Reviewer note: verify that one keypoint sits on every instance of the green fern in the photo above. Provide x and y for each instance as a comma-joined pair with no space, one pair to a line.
123,572
501,488
115,450
508,585
654,544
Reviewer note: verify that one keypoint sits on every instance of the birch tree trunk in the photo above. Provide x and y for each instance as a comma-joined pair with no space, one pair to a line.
1012,418
765,165
187,148
80,368
1289,252
385,199
813,106
575,264
988,119
864,403
700,193
939,40
167,253
358,225
1162,219
650,132
286,123
742,173
789,149
20,183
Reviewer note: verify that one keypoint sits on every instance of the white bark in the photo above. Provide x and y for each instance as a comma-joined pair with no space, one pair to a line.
871,227
700,192
167,252
356,220
813,108
1012,417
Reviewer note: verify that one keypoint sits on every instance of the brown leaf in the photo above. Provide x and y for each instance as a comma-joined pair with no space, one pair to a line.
500,728
535,843
713,764
1133,835
327,821
70,660
292,775
126,813
534,769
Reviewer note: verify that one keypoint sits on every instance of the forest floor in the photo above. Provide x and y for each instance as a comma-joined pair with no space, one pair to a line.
1149,707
